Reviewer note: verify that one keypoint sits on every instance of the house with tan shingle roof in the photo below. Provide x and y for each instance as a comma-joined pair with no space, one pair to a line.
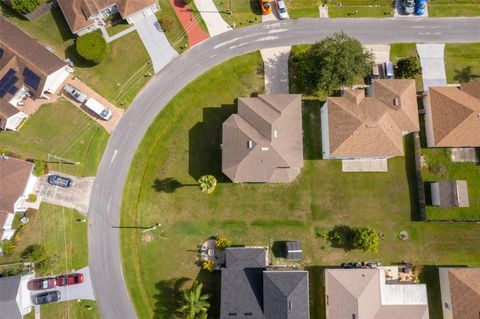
460,290
367,294
452,117
263,143
84,16
16,183
372,126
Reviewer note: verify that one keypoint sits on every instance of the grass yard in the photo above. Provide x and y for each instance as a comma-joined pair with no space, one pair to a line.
117,28
462,62
244,12
439,167
71,309
60,129
183,143
453,8
404,50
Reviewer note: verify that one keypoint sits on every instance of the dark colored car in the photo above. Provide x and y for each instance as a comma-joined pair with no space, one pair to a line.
41,284
46,297
61,181
408,6
70,279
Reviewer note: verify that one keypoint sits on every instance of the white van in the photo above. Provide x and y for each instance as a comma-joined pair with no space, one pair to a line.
389,70
98,108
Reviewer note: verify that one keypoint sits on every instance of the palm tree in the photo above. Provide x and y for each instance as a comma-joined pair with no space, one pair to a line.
195,304
207,183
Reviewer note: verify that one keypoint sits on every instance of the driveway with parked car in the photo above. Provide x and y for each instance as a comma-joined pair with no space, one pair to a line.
65,190
410,8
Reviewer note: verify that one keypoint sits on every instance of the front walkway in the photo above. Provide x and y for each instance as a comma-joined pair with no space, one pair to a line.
190,24
214,21
433,64
114,37
155,41
275,62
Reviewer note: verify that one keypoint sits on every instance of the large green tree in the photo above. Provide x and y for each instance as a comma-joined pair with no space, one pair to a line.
408,68
24,6
366,239
331,63
194,304
92,47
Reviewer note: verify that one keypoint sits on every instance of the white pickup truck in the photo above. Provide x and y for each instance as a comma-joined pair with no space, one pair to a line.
98,108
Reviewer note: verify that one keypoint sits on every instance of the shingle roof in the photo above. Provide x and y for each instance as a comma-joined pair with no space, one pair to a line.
358,292
465,292
14,175
264,141
453,193
372,126
293,249
285,294
241,287
78,13
8,294
455,115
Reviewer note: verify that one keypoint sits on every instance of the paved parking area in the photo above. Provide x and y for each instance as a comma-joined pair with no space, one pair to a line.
381,52
74,292
212,18
275,62
373,165
117,112
77,196
433,64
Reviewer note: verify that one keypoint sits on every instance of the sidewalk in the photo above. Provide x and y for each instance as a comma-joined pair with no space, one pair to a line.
109,38
193,30
214,21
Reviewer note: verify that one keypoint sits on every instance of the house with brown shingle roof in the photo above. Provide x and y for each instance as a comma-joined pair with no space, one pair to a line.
84,16
16,183
460,290
360,126
452,117
26,67
366,294
263,143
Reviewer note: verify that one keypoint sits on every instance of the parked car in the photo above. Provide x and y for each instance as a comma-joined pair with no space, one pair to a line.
389,70
265,6
375,72
420,7
76,94
351,265
98,109
61,181
70,279
408,6
41,284
282,9
46,297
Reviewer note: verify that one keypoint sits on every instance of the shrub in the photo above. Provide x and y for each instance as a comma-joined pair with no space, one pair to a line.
366,239
7,246
35,253
92,47
11,271
167,23
341,236
222,242
32,198
24,6
39,168
208,265
207,183
437,169
408,68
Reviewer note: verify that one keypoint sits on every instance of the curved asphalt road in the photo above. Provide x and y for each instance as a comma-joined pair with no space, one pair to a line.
104,211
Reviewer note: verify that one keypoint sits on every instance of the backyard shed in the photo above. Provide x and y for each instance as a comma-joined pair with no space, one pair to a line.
450,194
293,249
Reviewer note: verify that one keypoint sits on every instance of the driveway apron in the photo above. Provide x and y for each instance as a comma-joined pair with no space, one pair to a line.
214,21
155,41
433,64
194,32
275,61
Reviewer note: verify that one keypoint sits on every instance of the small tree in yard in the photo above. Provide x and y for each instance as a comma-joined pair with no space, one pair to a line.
208,265
222,242
39,168
194,304
34,253
24,6
92,47
366,239
329,64
408,68
7,246
207,183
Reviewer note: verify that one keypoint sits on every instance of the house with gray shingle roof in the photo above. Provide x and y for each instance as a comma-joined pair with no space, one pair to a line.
249,289
460,290
15,299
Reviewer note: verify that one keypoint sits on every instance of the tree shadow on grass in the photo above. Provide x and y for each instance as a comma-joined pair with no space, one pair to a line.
168,185
205,139
465,75
168,298
212,286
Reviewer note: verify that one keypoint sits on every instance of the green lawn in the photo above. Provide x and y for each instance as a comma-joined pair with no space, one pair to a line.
453,8
59,129
404,50
119,78
117,28
244,12
462,62
439,167
258,214
71,310
173,29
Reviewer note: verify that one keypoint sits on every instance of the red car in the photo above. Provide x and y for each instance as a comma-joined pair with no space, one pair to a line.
41,284
70,279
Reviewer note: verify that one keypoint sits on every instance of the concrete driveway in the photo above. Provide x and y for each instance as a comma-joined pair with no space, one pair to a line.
212,18
433,64
73,292
155,41
275,63
77,196
381,52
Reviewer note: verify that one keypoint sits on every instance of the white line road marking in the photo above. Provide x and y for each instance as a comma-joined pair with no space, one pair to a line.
114,155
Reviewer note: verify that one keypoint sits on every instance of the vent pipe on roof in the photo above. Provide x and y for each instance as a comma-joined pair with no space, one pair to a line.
264,149
395,101
250,144
275,133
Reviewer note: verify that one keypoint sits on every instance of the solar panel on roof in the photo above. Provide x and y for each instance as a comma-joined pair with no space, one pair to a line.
10,73
1,53
13,80
13,90
31,78
2,93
